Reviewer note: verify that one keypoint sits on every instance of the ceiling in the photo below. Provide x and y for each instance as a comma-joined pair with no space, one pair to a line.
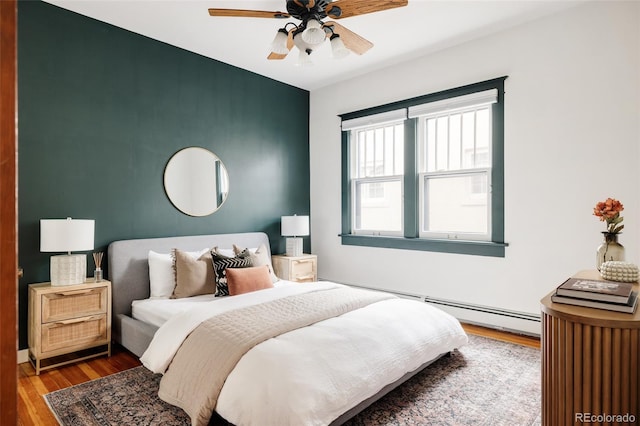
422,27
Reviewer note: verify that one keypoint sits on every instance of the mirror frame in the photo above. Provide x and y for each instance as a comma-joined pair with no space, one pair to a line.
189,175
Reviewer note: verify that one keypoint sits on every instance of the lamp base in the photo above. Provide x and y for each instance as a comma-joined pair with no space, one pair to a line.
68,269
294,246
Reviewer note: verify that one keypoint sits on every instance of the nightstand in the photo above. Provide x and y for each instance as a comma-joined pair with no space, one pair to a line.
589,361
296,268
68,323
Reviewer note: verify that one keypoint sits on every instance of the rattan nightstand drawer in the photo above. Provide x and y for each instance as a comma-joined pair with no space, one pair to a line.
68,323
77,332
68,304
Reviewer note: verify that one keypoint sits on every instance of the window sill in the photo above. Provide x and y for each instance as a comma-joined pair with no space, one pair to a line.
477,248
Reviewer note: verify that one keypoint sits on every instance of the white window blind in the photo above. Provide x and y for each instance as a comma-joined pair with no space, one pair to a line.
375,119
485,97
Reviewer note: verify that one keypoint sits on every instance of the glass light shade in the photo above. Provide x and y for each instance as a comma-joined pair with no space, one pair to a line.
279,44
299,42
313,34
338,49
303,59
305,50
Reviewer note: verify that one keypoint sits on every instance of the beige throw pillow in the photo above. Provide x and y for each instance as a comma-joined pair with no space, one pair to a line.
193,276
259,257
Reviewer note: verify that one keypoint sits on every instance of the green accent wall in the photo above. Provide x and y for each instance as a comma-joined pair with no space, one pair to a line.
100,112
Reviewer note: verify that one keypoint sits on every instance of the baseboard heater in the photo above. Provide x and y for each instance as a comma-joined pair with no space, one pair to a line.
532,319
397,293
484,309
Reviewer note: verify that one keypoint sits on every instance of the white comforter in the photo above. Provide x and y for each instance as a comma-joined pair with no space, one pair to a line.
312,375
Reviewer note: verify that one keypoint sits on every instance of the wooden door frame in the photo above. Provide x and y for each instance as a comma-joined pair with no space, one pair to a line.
8,214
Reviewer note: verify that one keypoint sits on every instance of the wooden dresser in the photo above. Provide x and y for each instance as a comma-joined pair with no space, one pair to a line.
68,323
590,363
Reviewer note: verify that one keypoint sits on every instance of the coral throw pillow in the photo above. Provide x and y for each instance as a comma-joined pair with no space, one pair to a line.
245,280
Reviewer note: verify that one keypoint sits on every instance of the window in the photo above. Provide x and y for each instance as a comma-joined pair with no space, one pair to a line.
454,168
377,179
427,173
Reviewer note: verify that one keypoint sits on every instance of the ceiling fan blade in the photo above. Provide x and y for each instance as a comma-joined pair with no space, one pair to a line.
352,41
248,13
277,56
305,3
348,8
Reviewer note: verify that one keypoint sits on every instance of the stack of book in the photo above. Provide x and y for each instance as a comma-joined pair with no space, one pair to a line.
609,295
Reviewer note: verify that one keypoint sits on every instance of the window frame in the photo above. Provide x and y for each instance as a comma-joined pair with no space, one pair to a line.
411,240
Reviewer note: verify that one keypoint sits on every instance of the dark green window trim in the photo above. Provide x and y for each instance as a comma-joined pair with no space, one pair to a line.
410,241
479,248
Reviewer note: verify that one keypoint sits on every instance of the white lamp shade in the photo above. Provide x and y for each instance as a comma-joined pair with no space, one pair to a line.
295,226
66,235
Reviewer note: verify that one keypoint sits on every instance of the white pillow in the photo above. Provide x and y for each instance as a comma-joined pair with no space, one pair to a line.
162,278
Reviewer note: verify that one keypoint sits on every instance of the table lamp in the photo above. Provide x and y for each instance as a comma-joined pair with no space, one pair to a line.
60,235
294,227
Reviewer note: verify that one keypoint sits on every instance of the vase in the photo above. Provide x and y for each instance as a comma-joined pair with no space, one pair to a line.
610,249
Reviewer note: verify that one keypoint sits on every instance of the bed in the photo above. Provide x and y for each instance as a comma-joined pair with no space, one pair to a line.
323,353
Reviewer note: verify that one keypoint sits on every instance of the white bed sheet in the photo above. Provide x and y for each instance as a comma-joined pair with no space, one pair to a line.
157,311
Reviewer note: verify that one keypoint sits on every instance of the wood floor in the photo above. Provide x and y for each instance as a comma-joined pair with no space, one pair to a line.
32,408
520,339
33,411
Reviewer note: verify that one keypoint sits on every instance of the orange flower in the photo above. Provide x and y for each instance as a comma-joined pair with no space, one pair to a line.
609,211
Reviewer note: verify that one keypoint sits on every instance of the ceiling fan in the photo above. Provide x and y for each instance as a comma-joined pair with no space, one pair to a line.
312,30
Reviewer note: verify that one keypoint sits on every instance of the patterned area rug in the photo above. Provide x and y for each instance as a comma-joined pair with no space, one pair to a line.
486,382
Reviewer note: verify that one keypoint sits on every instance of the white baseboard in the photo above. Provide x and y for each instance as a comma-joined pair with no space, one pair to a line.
23,356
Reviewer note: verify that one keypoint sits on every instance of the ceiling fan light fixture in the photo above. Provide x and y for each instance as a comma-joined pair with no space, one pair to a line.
279,43
304,58
299,42
338,49
313,33
310,15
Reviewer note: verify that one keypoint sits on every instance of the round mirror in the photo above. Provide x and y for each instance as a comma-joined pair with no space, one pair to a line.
196,181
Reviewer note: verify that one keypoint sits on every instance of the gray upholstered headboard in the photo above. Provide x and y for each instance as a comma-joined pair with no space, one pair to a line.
129,268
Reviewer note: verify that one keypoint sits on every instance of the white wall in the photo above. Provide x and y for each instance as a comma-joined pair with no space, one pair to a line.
572,138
